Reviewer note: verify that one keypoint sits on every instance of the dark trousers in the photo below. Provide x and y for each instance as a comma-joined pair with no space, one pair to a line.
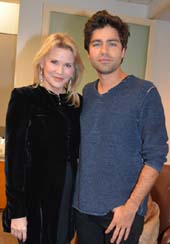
20,242
90,229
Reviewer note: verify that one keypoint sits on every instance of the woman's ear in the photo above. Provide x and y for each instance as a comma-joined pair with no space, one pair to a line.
41,65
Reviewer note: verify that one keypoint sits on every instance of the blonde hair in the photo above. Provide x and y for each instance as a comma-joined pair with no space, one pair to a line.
61,40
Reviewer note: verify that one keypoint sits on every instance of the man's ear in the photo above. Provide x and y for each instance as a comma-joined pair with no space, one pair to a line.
123,52
88,55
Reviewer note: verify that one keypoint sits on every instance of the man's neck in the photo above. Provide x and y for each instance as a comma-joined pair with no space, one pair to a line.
108,81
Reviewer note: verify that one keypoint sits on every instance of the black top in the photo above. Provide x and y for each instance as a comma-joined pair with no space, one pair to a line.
42,137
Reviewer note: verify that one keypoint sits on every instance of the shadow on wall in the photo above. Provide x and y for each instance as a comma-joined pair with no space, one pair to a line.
7,69
2,131
24,68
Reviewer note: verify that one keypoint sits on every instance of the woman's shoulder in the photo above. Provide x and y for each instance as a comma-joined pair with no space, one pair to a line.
24,90
20,96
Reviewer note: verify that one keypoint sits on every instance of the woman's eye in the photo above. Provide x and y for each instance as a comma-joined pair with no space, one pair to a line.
68,65
54,61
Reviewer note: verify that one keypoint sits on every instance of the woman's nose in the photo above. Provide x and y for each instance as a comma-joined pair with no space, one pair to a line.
59,69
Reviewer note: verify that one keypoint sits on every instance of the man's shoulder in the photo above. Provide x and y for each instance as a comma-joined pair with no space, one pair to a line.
90,85
141,83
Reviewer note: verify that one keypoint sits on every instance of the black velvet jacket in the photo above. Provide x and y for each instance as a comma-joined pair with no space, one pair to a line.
42,136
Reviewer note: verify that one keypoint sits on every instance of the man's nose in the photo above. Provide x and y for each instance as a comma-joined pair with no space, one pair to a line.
104,48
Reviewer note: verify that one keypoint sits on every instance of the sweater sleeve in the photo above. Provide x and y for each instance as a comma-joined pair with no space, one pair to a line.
153,130
15,154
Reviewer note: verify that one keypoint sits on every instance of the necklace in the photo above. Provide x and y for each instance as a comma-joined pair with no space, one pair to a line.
52,93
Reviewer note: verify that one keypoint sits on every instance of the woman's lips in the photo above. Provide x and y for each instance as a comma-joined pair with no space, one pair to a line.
58,78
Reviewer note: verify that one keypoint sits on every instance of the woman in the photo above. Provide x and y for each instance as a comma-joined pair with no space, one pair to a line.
42,145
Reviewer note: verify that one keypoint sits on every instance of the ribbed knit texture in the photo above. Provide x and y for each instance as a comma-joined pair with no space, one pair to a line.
121,131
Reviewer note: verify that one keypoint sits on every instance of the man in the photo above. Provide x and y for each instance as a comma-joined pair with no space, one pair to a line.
123,140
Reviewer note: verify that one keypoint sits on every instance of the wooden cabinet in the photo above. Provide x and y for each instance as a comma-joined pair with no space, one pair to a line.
2,185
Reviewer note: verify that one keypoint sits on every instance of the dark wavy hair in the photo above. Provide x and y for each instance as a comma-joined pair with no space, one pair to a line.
101,19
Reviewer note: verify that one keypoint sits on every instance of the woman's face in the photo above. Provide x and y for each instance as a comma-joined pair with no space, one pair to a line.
58,68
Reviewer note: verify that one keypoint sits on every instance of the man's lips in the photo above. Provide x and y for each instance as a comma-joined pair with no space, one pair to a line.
104,60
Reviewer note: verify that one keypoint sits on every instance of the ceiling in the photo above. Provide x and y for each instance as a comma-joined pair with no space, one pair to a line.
146,2
157,9
10,1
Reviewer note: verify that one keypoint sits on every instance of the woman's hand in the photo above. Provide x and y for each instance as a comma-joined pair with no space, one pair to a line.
19,228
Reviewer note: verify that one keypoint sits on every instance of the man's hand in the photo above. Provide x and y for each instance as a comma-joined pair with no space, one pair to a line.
19,228
124,215
122,221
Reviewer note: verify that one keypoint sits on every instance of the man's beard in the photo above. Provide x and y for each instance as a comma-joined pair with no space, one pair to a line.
106,70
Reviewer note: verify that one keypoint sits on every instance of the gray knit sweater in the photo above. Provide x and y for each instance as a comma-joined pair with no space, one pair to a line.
121,131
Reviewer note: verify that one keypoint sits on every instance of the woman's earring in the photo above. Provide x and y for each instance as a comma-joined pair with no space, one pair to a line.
69,85
41,75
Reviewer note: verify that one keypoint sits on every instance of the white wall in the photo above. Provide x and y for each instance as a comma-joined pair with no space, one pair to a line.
7,69
30,29
9,17
159,70
9,13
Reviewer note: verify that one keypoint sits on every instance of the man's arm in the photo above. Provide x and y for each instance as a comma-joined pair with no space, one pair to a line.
124,215
154,149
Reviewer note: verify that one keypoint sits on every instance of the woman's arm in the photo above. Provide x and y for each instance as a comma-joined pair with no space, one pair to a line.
16,122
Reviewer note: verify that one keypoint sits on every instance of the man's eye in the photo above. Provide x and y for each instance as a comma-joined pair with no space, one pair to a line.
112,44
96,44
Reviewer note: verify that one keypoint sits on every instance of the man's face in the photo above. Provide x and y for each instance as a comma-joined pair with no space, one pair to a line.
105,50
